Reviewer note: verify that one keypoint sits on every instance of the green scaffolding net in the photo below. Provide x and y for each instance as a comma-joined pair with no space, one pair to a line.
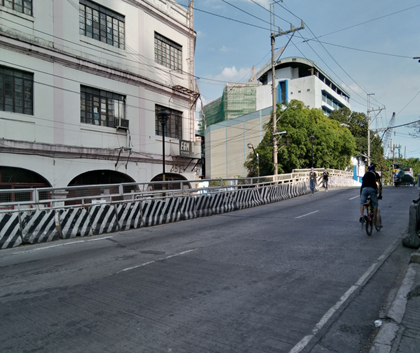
238,99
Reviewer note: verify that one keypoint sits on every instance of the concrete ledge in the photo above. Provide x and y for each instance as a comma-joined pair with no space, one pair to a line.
385,338
397,309
415,257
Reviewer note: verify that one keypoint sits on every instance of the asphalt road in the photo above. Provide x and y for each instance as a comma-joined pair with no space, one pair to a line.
295,276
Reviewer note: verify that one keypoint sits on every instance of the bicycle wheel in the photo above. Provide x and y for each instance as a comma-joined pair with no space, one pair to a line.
369,225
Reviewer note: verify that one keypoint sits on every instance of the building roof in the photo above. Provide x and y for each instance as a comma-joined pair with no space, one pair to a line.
302,64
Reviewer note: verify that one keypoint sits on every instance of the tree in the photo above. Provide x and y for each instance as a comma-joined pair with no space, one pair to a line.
358,126
332,147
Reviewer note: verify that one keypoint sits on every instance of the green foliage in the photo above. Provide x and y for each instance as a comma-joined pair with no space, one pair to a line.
332,147
358,126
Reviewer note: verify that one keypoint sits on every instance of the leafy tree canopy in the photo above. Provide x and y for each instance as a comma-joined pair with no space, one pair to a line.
332,147
358,126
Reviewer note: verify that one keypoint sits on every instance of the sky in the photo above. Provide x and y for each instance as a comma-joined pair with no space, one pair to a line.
366,46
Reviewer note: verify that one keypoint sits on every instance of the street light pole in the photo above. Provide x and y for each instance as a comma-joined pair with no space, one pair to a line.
250,145
312,137
163,117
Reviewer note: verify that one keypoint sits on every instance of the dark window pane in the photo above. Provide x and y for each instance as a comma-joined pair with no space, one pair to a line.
13,97
102,24
27,7
18,105
18,6
101,107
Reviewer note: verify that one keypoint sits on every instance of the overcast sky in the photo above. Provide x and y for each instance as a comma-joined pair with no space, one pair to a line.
367,46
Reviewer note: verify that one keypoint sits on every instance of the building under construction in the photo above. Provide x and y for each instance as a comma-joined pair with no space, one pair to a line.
237,118
296,78
238,99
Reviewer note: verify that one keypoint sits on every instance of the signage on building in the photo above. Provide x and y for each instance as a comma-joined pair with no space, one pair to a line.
184,148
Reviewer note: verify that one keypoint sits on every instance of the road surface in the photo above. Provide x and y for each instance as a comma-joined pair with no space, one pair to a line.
295,276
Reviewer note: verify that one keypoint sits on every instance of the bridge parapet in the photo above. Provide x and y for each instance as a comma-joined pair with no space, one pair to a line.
48,214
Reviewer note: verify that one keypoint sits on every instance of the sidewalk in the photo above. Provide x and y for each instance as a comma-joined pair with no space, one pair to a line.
400,332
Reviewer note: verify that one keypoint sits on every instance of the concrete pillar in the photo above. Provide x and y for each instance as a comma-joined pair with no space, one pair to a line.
412,240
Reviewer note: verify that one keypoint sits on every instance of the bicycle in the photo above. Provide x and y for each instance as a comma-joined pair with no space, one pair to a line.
368,218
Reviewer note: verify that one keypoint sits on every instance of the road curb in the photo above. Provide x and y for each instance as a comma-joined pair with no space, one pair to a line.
390,330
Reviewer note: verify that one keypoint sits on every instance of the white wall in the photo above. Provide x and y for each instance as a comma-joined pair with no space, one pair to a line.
227,144
62,63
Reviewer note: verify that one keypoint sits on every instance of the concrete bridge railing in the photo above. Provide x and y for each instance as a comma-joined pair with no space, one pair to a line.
50,214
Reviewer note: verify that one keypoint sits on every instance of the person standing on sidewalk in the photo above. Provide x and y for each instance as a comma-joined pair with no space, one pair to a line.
312,180
325,176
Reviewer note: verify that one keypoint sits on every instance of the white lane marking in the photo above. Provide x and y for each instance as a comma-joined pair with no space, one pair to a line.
305,340
332,310
307,214
151,262
302,344
366,275
354,197
59,245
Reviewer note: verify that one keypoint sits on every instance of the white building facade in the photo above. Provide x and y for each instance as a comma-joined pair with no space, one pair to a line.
81,83
301,79
226,142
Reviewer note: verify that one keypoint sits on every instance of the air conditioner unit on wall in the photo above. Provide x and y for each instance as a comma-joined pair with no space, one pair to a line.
122,123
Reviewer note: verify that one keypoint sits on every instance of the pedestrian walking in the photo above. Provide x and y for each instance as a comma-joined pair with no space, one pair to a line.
325,176
312,180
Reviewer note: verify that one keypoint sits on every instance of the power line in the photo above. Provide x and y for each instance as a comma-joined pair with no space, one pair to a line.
333,60
357,49
310,47
238,8
226,18
409,102
362,23
103,51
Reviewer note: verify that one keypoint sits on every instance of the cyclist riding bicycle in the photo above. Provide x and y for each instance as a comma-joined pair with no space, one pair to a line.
371,185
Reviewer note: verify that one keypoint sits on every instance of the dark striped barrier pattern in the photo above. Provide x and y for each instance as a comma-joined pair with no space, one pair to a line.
38,226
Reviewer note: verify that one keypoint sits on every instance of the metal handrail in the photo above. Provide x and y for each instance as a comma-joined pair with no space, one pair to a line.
89,195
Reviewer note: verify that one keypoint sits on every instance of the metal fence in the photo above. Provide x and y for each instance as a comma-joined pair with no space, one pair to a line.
86,195
30,216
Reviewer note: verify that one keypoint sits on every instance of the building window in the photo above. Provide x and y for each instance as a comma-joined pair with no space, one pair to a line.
283,92
173,127
102,24
16,91
99,107
22,6
168,53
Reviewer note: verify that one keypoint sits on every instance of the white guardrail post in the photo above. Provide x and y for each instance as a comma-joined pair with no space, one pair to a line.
95,209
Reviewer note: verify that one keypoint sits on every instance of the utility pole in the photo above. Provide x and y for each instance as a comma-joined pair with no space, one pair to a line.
368,125
393,152
273,75
368,122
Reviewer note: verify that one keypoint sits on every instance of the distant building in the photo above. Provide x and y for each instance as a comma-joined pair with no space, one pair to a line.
81,83
296,78
304,80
